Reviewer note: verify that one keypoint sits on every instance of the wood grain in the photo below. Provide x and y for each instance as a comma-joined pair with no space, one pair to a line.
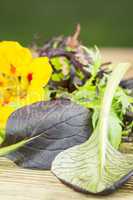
24,184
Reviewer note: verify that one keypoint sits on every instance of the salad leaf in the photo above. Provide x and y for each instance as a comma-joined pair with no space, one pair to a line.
115,130
2,135
58,125
11,148
80,74
95,166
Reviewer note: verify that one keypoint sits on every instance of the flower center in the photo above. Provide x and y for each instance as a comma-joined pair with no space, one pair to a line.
13,69
13,87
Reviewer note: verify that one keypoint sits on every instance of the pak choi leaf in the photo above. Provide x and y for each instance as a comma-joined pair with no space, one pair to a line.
95,166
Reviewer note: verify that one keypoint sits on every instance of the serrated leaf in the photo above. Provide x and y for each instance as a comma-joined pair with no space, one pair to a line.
123,99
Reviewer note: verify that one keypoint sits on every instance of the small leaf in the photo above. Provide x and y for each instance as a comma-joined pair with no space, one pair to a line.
2,135
123,99
59,124
115,130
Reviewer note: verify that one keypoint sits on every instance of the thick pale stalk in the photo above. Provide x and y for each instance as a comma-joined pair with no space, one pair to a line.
111,87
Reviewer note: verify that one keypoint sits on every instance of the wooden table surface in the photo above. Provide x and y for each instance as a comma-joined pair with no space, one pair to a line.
24,184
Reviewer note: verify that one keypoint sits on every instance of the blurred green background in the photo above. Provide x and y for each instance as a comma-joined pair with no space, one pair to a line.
103,22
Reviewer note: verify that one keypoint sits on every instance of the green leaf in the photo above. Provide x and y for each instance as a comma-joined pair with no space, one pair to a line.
10,148
95,117
96,57
57,77
123,99
2,135
95,166
115,130
56,62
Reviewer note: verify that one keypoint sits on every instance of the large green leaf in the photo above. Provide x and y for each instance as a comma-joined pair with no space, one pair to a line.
95,166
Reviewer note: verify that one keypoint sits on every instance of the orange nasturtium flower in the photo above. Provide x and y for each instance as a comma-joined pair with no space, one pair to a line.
22,78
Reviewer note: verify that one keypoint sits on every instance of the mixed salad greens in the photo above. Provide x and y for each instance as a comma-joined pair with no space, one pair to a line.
88,112
80,75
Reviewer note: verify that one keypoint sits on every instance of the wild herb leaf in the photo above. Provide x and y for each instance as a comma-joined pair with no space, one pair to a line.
58,125
95,166
123,99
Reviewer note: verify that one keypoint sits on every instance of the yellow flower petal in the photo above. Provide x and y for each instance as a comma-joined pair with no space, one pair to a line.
5,112
12,54
22,78
33,96
41,71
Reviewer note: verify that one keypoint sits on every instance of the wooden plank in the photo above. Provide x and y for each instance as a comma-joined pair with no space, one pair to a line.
24,184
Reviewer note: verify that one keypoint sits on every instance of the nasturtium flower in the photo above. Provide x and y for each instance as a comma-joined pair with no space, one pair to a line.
22,78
